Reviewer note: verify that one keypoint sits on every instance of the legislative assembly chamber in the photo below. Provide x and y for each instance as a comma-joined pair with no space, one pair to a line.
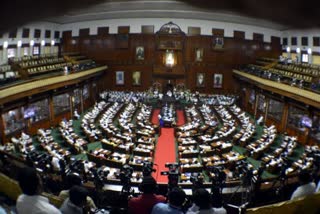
159,107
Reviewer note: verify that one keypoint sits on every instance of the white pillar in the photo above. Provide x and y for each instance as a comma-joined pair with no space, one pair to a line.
310,55
52,47
42,50
5,52
5,55
19,44
288,52
42,47
31,51
31,48
18,51
298,51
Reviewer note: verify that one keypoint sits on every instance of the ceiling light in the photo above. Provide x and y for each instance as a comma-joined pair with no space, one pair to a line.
5,44
19,44
288,49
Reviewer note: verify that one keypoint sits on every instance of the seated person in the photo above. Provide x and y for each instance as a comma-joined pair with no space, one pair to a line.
318,186
76,201
31,200
2,211
144,203
76,115
75,180
176,200
307,186
202,204
217,204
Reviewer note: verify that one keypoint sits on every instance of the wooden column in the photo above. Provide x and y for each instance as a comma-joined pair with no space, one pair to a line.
247,98
94,91
308,137
284,117
51,110
256,105
2,137
71,103
266,100
81,99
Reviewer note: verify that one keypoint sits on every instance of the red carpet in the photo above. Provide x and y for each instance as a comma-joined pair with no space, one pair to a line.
165,152
181,120
166,147
155,114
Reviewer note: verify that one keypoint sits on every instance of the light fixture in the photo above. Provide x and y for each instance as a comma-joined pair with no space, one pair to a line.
309,51
43,43
169,58
53,42
298,50
19,44
31,42
288,49
5,44
73,42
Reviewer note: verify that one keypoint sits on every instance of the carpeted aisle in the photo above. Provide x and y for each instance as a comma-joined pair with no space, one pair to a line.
154,118
166,146
165,152
180,121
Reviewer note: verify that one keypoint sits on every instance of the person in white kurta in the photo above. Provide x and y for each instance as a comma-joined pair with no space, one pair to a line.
31,200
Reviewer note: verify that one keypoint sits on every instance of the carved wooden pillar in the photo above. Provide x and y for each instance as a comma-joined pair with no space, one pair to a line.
284,117
266,100
51,109
256,105
81,99
71,103
2,136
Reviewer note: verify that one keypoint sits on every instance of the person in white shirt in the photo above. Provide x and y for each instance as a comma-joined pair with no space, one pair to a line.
318,187
55,162
76,201
30,201
307,186
174,206
202,204
73,179
76,115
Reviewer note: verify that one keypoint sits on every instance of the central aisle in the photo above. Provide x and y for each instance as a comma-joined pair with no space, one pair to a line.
166,147
165,152
181,120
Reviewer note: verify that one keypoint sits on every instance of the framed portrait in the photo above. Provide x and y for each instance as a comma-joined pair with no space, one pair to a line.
218,42
140,53
136,78
200,80
119,77
199,54
217,80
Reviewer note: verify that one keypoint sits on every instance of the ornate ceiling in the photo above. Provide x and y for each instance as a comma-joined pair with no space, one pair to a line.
276,14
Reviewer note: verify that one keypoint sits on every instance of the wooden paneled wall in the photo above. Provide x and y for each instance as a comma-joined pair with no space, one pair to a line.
304,137
95,87
118,52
